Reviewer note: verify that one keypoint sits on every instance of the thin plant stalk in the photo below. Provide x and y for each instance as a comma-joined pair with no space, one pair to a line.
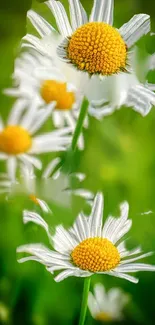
77,132
79,125
84,301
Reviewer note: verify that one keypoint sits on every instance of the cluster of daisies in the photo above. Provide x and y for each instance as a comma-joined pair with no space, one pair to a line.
85,58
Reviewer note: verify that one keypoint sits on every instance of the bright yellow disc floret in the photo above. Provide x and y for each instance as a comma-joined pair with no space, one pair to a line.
97,48
96,255
103,317
15,140
34,199
52,90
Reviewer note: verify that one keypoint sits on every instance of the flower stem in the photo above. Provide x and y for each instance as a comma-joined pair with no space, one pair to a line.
84,301
82,115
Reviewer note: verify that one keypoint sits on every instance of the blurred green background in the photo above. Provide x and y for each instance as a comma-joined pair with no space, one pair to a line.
119,160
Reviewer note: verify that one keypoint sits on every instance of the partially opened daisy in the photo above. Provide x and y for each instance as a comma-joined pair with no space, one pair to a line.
37,77
88,247
107,306
17,140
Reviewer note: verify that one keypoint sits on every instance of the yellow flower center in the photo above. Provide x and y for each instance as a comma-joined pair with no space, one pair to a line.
15,140
34,199
97,48
103,317
96,255
52,90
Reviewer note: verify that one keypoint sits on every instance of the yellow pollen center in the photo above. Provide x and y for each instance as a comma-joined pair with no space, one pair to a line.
34,199
103,317
97,48
15,140
95,255
52,90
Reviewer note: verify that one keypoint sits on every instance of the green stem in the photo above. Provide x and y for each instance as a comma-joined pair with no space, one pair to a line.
78,129
84,301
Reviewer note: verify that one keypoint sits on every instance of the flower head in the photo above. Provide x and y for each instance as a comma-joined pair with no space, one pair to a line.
38,77
47,187
89,247
17,140
107,306
92,46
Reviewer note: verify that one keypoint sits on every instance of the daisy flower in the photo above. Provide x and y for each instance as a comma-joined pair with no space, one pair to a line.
18,142
107,306
88,247
91,46
46,187
37,77
25,184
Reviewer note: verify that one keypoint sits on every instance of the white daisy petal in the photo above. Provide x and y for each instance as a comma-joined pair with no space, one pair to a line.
141,98
29,116
81,228
30,258
99,292
124,208
58,119
11,167
135,267
63,275
12,92
124,230
50,167
119,224
41,119
61,17
93,305
77,14
30,160
123,276
34,217
54,268
44,206
16,111
40,251
43,144
136,258
125,253
83,193
100,113
102,11
151,62
40,24
95,221
63,239
35,43
150,86
133,30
